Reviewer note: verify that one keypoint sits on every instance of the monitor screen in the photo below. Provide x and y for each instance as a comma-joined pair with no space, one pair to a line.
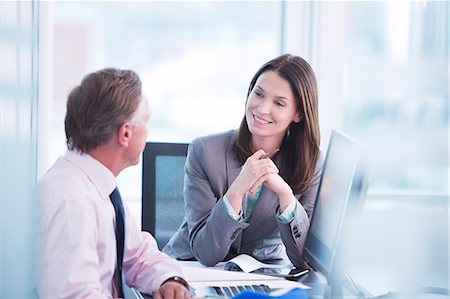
341,191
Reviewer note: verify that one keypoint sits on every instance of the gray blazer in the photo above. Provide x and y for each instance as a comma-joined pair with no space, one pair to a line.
210,235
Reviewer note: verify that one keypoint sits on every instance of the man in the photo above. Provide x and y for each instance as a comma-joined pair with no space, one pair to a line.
90,244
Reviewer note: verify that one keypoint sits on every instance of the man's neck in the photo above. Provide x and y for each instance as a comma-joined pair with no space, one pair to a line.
110,157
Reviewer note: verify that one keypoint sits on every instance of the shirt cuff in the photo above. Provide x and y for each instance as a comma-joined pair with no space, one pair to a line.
289,213
238,217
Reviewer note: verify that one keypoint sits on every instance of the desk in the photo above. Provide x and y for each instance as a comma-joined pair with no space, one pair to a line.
199,276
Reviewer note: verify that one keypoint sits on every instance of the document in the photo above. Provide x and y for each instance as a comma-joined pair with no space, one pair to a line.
247,264
201,276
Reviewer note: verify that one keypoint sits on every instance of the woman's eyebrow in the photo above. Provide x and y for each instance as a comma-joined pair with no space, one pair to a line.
259,87
278,97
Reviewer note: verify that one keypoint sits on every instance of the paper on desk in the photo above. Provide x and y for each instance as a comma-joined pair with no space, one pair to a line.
248,263
204,277
214,274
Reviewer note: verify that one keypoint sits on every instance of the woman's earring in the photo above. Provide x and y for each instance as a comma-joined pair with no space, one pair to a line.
288,132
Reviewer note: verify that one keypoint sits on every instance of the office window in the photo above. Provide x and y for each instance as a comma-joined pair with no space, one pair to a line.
195,59
381,68
383,75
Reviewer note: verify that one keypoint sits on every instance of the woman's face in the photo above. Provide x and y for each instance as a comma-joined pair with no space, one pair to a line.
271,106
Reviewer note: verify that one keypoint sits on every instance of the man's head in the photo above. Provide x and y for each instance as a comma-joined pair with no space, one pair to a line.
99,105
107,113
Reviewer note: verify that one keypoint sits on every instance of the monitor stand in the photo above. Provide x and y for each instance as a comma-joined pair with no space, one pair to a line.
333,289
317,283
321,287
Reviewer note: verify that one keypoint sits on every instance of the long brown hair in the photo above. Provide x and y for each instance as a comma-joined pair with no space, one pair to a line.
300,147
101,103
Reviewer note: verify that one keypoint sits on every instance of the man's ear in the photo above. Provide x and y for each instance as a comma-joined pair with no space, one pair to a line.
124,134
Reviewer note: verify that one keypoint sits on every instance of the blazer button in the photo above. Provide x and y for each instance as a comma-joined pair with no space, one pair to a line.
297,235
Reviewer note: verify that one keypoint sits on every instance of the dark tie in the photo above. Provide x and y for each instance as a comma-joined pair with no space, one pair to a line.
120,239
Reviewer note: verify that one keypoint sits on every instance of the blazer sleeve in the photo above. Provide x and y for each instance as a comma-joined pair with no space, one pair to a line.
212,230
294,233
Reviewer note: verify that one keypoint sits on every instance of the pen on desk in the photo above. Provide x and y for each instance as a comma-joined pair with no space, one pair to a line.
269,154
303,272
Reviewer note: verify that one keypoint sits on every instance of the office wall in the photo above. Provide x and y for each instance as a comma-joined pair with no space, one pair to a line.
18,106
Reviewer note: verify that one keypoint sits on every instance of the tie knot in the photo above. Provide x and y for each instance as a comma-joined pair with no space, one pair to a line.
115,197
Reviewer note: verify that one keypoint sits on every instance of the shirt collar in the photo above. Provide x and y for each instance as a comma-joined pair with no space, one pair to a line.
102,178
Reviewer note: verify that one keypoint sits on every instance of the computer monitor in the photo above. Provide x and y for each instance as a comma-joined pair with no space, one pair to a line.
340,197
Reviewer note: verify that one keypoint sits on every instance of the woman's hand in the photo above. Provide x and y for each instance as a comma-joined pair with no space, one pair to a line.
278,185
249,178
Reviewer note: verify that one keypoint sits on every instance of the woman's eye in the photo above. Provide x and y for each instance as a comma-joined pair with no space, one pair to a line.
279,103
257,93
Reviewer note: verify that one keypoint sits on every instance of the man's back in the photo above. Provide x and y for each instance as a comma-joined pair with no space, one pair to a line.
77,234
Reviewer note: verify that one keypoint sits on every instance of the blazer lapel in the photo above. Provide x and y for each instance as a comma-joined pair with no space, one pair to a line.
233,169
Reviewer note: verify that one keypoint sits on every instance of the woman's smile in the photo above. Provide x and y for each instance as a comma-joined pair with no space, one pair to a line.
260,120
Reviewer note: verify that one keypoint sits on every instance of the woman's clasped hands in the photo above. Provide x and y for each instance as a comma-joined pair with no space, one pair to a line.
258,170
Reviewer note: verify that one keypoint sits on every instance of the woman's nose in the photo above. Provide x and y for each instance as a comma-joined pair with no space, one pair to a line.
264,107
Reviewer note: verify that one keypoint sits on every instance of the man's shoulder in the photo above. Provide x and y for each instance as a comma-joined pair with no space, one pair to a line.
62,178
62,169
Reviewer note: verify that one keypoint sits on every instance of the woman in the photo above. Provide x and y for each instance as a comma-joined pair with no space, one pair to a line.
237,199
